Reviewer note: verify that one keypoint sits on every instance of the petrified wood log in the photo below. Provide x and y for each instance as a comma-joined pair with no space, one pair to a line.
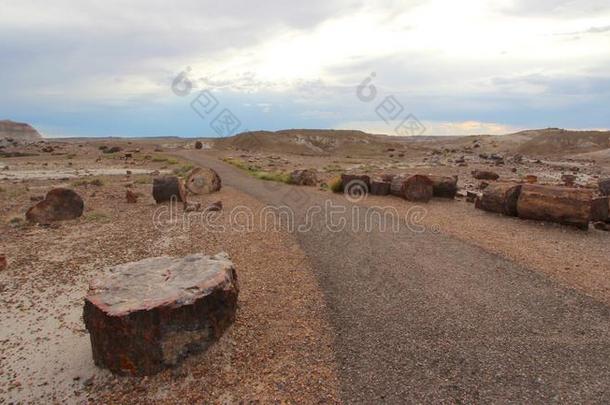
355,180
568,206
415,188
146,316
444,186
600,209
380,187
203,180
500,198
604,186
60,204
164,188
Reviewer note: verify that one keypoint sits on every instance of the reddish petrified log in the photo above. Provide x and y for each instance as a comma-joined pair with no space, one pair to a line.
415,188
568,206
203,180
444,186
380,187
599,209
60,204
305,177
166,188
146,316
604,186
500,198
349,181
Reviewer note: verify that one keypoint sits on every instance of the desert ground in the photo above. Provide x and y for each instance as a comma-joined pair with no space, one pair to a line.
471,306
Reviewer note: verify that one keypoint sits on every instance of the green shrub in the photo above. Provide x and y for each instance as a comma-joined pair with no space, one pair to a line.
336,185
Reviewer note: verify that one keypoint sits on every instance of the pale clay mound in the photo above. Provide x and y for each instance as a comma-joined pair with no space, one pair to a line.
17,133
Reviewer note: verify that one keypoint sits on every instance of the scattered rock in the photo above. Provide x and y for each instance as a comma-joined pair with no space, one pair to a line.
113,149
203,180
3,262
471,196
198,145
168,187
568,206
602,226
568,180
485,175
192,207
305,177
147,316
214,207
131,197
36,198
48,149
59,204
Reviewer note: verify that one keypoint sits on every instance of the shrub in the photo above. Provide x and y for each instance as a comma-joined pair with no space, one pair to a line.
336,185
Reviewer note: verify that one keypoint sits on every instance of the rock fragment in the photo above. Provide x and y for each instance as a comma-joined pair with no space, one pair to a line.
485,175
305,177
131,197
168,188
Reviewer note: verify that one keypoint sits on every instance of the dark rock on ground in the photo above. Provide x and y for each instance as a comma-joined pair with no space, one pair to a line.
59,204
485,175
147,316
380,187
305,177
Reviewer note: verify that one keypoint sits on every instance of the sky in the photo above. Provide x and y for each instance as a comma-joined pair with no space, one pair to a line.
213,68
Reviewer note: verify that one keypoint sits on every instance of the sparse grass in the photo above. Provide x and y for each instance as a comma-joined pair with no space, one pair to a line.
97,217
255,171
142,180
183,170
85,182
164,159
336,185
332,168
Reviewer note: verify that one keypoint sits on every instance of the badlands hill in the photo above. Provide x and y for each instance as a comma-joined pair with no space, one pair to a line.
544,142
17,133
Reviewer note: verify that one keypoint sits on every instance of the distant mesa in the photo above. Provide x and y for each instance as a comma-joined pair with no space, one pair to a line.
17,133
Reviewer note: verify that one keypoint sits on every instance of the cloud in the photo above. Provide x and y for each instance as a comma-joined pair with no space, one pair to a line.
436,128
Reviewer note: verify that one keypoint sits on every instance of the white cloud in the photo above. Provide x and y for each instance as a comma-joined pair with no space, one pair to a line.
435,128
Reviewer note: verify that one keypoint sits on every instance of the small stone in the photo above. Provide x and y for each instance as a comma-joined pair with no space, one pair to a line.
131,197
3,262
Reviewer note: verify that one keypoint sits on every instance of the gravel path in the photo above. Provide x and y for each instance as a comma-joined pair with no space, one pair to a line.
426,317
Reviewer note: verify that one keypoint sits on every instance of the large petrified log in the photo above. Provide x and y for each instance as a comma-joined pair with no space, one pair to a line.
500,198
380,187
146,316
417,188
359,181
59,204
164,188
203,180
444,186
569,206
305,177
599,209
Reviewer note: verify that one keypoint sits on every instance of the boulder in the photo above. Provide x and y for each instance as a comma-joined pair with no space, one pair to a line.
500,198
147,316
198,145
60,204
168,187
599,209
203,180
305,177
604,186
444,186
568,206
485,175
380,187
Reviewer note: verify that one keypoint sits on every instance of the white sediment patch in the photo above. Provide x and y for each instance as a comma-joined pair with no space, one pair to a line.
57,174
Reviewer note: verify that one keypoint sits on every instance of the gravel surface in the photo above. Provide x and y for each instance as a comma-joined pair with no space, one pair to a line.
431,317
278,350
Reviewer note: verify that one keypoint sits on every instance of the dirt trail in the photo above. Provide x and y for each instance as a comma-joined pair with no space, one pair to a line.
424,316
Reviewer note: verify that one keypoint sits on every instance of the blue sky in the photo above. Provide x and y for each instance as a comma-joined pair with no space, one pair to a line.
89,68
